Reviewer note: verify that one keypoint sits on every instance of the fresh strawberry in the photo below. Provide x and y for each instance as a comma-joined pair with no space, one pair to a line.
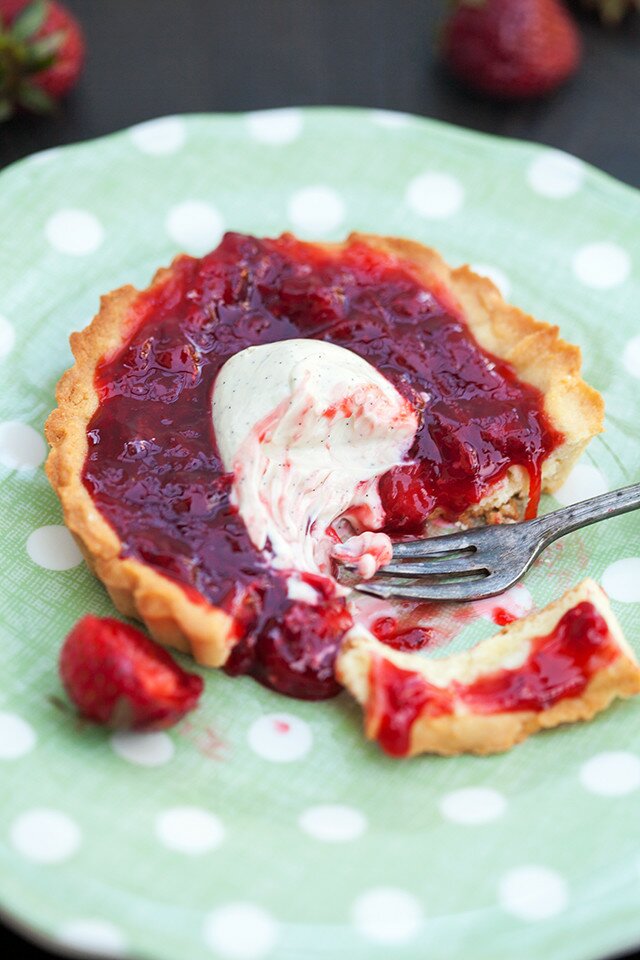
511,49
117,676
41,54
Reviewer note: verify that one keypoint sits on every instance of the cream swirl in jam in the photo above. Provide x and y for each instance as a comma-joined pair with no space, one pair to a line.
307,428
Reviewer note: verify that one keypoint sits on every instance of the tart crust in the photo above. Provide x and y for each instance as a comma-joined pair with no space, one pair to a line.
190,624
172,616
480,733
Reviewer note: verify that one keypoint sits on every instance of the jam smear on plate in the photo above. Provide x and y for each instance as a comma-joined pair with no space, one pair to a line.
559,665
153,468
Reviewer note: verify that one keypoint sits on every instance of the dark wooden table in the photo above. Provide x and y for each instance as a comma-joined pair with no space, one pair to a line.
153,57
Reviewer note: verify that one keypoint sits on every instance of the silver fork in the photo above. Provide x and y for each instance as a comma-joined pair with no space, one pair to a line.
484,561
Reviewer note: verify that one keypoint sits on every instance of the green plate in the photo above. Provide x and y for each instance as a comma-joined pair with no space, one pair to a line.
265,827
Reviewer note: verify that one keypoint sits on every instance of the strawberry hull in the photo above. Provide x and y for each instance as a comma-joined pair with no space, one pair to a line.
42,52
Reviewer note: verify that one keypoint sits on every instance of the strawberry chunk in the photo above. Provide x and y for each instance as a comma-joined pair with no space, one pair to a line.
118,677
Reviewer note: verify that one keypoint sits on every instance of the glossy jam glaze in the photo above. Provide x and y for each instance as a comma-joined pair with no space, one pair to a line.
502,616
559,665
153,468
407,639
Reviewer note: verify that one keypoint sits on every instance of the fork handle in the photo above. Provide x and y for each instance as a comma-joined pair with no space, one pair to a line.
556,524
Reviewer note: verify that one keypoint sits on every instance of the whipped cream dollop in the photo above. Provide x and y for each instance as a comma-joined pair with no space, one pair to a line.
307,428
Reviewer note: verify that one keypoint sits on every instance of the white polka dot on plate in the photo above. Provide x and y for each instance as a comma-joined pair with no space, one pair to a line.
387,915
532,893
601,265
556,174
583,482
280,737
143,749
240,931
195,226
621,580
45,836
189,830
315,210
161,136
17,737
275,127
393,119
630,356
75,232
434,195
496,275
333,823
53,548
611,774
93,936
473,805
7,337
21,447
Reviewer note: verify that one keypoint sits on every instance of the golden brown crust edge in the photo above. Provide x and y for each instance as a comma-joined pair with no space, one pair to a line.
136,590
206,631
454,734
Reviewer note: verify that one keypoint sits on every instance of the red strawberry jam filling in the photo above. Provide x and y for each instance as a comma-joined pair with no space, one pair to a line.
153,467
559,665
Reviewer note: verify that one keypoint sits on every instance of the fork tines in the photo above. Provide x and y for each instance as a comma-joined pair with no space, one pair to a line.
458,566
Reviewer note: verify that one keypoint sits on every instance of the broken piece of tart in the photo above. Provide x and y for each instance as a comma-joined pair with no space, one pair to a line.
563,664
227,435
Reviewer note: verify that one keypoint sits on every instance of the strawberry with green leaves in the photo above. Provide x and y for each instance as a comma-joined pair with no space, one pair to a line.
41,55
